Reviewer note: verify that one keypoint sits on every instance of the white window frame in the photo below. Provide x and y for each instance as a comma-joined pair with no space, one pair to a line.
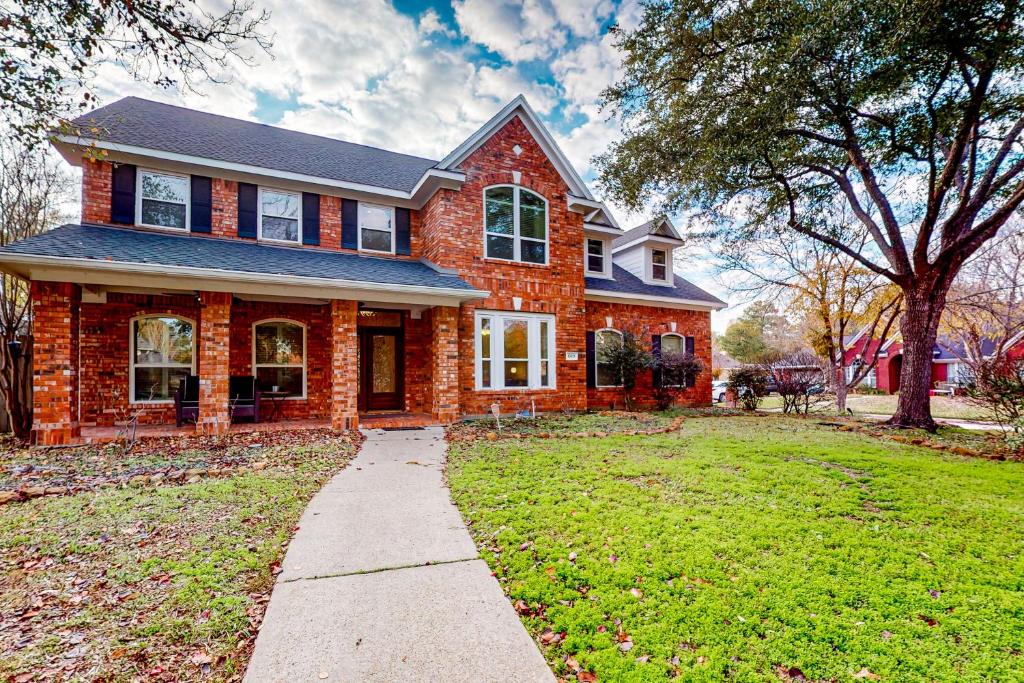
597,337
259,215
305,354
359,227
497,339
516,238
132,364
139,172
668,266
606,257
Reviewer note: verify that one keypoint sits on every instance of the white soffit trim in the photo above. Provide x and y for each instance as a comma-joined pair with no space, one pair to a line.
72,146
597,228
670,242
521,108
648,300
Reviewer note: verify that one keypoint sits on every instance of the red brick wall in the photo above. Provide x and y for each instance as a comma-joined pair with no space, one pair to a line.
445,362
214,362
225,208
344,365
648,321
452,234
96,188
55,309
419,395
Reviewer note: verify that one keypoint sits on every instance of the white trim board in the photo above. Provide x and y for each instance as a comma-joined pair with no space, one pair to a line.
649,300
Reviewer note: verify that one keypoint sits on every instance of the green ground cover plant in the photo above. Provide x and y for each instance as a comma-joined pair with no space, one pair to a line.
753,549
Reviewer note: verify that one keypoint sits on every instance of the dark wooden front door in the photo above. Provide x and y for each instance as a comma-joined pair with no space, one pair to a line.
382,366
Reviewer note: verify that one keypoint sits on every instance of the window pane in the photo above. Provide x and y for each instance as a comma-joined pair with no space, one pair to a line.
164,214
499,210
157,384
485,337
672,344
595,247
532,252
499,247
163,340
516,373
604,341
376,240
374,217
545,375
166,188
544,339
280,229
531,215
595,263
658,256
280,204
279,343
285,379
516,337
605,376
384,363
659,273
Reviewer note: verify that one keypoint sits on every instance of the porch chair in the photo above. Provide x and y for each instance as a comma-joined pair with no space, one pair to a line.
244,397
186,400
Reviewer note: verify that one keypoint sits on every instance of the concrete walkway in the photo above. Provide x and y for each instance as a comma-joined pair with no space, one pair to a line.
382,582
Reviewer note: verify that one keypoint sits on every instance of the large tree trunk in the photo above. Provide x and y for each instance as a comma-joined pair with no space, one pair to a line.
16,385
919,327
840,388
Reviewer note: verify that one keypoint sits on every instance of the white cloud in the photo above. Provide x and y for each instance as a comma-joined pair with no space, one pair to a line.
430,23
518,31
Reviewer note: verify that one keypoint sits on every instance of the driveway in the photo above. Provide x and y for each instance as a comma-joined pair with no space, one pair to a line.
382,582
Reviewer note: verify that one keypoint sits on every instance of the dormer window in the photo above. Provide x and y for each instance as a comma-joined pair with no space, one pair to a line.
659,265
515,225
596,259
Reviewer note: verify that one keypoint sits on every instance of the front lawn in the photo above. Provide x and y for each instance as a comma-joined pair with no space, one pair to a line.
168,582
753,549
950,407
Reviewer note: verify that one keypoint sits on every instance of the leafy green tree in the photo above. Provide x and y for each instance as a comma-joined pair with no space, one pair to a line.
910,114
760,330
49,49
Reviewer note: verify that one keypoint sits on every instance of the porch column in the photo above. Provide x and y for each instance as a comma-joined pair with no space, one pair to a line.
344,365
444,322
55,312
214,362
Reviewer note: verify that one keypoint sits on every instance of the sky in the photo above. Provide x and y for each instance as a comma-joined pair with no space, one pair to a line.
418,77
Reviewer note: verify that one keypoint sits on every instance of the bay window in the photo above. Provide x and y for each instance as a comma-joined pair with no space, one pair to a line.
514,350
162,200
279,356
162,353
515,225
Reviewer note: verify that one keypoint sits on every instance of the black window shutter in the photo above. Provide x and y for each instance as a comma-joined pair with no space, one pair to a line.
691,380
310,218
122,195
656,352
247,198
591,361
402,231
202,204
349,224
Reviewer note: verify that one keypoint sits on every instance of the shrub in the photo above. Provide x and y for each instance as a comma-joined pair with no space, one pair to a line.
749,383
677,370
627,358
998,385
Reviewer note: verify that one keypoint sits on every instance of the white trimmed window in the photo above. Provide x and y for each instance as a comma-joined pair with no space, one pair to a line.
659,265
515,350
604,374
280,215
162,353
376,228
515,224
279,356
672,343
596,260
162,200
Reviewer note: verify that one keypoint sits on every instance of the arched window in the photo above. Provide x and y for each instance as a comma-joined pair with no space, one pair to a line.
279,356
605,375
672,343
515,224
162,349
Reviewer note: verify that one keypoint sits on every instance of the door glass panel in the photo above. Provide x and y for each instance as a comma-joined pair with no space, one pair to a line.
383,364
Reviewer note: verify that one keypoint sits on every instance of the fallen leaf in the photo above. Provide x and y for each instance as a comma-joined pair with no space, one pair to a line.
866,673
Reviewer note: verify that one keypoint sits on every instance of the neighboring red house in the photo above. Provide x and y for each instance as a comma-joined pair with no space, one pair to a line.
947,359
353,279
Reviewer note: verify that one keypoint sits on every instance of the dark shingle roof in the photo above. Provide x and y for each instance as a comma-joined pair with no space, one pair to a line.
153,125
137,246
625,282
648,228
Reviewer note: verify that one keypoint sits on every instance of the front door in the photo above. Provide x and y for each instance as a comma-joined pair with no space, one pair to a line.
381,369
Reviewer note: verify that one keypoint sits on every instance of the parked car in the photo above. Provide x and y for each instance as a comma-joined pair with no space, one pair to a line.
718,389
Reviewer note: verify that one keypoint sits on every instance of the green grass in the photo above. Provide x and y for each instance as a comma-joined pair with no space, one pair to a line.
142,579
942,406
742,545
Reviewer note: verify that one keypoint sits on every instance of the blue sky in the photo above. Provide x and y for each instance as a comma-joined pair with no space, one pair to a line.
420,76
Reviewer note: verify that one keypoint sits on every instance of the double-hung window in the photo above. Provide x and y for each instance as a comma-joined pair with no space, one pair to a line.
280,215
162,200
659,265
595,257
515,350
162,354
376,228
515,225
279,356
606,374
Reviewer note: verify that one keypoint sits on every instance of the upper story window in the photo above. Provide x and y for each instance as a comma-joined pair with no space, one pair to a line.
279,356
659,265
376,228
280,216
515,225
162,354
596,257
514,350
162,200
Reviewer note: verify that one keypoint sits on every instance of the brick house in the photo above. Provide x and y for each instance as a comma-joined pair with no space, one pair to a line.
352,279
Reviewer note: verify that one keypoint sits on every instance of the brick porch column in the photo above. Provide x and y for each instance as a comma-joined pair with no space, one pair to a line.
344,365
214,362
444,322
55,309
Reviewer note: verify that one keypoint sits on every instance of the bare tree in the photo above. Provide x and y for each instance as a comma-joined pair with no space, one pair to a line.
33,189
